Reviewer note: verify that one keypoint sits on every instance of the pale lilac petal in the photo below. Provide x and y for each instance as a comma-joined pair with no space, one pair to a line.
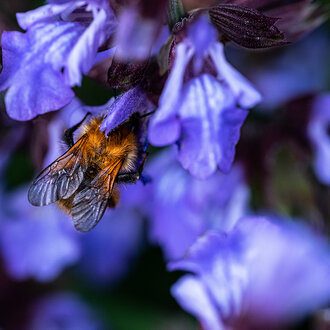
289,272
160,41
200,113
193,296
175,228
202,35
184,207
60,45
247,96
46,13
229,134
174,224
262,272
164,133
321,164
37,86
198,108
318,131
14,44
135,100
24,100
72,113
135,36
164,127
83,55
36,242
210,127
101,56
218,267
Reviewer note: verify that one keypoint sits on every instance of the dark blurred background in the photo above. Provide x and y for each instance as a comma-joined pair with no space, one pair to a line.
277,159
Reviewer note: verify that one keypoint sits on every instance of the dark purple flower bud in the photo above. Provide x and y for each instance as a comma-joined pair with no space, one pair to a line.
296,18
126,75
245,26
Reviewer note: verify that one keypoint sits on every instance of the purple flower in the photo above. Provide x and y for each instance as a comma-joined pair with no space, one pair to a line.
319,134
60,45
109,250
181,208
35,242
199,106
288,73
134,100
261,273
139,26
63,311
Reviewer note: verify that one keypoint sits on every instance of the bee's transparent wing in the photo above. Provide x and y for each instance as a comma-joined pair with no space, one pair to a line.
90,203
61,178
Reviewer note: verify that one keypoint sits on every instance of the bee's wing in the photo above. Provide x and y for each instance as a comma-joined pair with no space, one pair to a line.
90,203
61,178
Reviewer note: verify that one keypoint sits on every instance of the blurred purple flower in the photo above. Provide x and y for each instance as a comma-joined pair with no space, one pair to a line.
181,208
35,242
109,249
319,134
60,45
199,106
261,274
139,26
286,73
63,311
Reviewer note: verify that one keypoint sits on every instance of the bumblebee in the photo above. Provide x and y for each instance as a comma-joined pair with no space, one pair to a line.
84,180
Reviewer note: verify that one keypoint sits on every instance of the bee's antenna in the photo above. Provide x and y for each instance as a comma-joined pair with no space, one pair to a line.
145,146
148,114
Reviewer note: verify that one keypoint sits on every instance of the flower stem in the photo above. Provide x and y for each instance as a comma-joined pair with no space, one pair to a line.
175,12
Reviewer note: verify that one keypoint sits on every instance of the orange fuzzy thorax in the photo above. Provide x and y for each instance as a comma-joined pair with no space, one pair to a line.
105,150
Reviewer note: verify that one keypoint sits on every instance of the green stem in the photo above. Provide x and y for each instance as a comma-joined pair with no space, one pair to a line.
175,12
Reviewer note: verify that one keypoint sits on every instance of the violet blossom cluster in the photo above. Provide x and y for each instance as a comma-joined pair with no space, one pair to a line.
245,271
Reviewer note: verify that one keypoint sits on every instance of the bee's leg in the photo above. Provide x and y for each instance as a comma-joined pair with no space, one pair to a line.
132,177
144,178
136,120
68,133
148,114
